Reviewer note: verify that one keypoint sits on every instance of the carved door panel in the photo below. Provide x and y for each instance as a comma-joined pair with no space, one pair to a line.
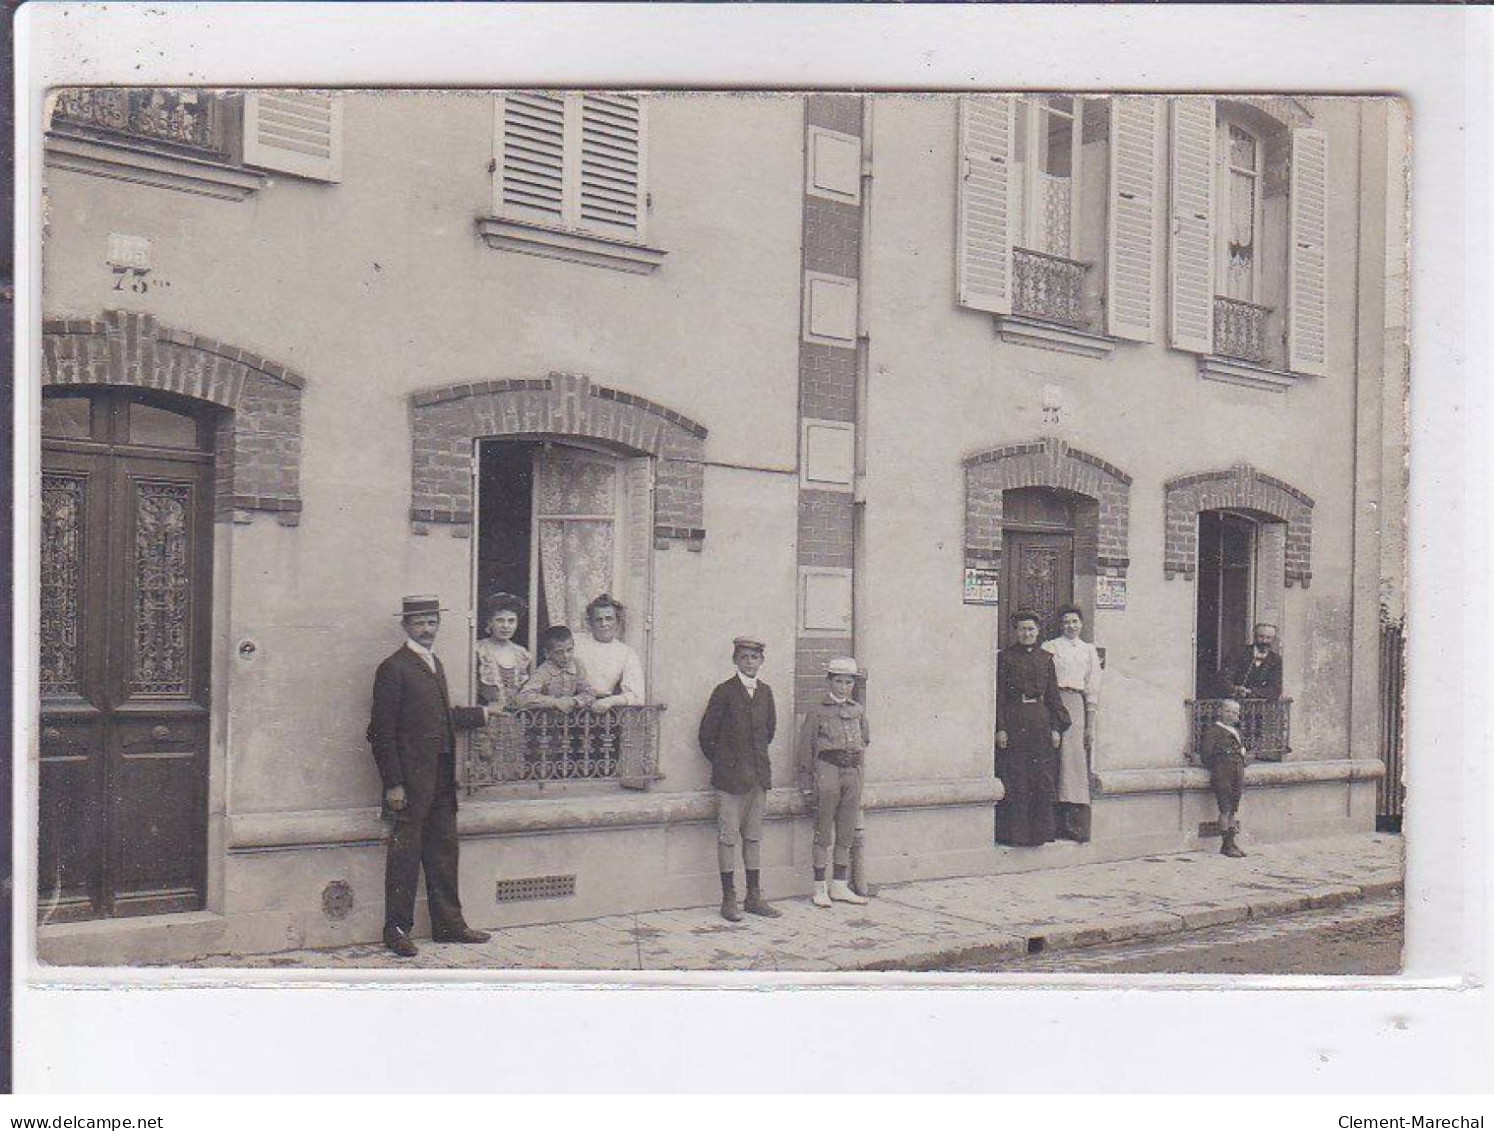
1039,575
126,547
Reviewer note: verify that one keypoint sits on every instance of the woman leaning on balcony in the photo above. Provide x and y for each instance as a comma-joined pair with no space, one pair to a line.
613,667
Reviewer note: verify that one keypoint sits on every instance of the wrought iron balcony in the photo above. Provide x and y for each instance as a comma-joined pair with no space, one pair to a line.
188,120
1048,287
1265,725
540,744
1240,329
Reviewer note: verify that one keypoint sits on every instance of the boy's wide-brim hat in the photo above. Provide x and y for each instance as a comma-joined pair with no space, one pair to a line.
843,665
416,606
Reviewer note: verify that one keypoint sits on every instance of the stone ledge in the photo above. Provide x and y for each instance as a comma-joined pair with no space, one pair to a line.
1243,373
1195,779
250,832
1017,330
160,170
527,238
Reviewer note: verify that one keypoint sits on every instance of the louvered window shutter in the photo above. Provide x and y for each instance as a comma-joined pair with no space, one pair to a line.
1307,266
1190,248
1131,262
983,251
294,131
531,155
610,183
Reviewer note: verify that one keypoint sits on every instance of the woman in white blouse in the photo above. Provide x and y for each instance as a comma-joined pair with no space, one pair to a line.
1078,664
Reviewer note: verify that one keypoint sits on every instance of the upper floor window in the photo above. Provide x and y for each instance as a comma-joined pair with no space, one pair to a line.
1049,232
204,142
572,163
1247,250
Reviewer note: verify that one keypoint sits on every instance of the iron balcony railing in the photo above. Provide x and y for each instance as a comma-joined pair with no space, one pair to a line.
1048,287
189,120
1240,329
1265,725
541,744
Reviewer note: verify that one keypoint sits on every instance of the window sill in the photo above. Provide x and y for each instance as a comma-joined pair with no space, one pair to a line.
1023,331
124,162
1245,373
529,238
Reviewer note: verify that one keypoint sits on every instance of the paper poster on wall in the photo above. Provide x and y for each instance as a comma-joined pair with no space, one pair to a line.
981,586
1110,593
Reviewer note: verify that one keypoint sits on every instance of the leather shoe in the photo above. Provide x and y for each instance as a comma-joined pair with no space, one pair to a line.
462,934
757,905
400,942
729,909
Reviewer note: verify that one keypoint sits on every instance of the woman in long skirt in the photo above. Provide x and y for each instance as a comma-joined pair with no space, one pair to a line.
1077,662
1030,721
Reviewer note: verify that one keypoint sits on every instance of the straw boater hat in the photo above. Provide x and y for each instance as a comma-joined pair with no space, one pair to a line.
418,606
747,642
842,665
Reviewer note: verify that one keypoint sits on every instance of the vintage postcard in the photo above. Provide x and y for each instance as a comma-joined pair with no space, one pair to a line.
614,530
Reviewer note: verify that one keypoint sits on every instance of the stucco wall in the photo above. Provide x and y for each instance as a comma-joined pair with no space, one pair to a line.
380,286
943,385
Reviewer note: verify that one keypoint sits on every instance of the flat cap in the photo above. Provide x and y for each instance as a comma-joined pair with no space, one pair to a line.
748,642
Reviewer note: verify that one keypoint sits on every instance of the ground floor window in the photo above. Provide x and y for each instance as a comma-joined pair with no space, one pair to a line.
558,525
1226,592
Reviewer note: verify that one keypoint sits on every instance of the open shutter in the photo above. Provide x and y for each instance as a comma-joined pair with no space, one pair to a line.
530,148
1190,248
983,252
1307,266
294,131
612,145
1131,272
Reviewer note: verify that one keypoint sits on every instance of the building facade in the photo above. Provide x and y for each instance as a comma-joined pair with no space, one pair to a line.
851,374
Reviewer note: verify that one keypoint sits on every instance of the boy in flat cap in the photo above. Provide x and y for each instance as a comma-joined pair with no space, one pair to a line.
735,733
832,747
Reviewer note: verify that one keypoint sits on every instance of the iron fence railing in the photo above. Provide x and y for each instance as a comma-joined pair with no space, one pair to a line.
180,119
541,744
1392,790
1265,725
1048,287
1240,329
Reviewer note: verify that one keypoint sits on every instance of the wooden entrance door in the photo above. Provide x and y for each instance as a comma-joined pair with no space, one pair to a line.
126,546
1038,574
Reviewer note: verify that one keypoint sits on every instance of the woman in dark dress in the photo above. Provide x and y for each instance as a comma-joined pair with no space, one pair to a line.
1030,721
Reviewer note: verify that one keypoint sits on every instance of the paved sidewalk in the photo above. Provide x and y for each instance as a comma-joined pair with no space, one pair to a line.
930,924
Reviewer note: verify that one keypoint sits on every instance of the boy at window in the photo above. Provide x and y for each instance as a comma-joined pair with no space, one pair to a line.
735,732
613,667
832,747
502,666
560,682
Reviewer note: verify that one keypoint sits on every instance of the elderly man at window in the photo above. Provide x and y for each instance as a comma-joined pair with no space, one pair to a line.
1255,672
614,668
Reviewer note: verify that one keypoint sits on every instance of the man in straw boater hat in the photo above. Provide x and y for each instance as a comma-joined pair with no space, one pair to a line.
413,733
735,733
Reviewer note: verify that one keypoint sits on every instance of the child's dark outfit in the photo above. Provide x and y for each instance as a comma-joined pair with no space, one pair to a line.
1223,754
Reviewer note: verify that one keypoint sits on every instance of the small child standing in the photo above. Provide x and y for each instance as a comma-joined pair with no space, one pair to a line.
560,682
1223,754
832,748
502,666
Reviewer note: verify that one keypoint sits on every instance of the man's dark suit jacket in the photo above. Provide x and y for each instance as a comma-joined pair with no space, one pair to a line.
734,736
413,728
1264,682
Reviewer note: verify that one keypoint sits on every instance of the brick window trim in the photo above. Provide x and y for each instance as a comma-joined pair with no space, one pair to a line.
447,421
1103,536
258,451
1242,488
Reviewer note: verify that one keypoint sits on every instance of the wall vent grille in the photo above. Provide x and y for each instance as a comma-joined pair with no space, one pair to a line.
536,887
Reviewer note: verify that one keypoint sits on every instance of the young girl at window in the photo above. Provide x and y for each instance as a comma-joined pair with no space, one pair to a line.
503,667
